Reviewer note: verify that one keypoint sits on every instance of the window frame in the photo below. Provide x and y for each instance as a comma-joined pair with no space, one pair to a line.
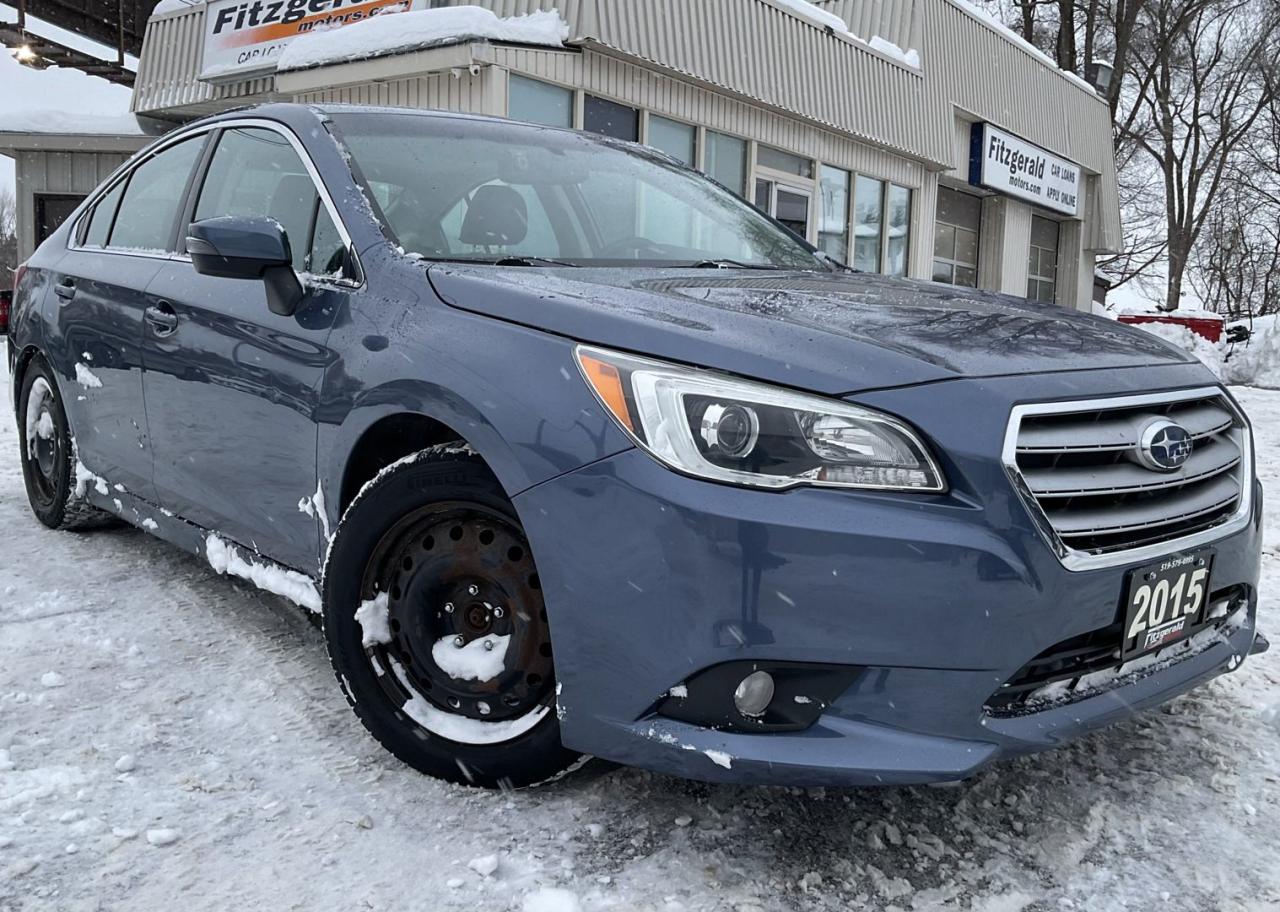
211,133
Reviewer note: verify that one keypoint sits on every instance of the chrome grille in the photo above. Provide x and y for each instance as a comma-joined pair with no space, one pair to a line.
1078,465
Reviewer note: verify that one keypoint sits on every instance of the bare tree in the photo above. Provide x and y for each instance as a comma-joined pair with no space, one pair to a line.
1237,260
1204,77
8,235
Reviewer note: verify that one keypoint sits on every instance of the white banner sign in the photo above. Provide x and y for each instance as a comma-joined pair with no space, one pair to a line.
1006,163
244,38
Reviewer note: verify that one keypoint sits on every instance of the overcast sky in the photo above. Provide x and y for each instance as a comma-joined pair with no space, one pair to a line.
23,89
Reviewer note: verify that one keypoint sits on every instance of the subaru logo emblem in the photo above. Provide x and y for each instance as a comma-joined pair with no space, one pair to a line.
1164,446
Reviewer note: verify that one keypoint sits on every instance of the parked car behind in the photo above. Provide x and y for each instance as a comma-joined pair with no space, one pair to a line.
576,453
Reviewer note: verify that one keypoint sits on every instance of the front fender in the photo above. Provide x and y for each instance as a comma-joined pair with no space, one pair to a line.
514,394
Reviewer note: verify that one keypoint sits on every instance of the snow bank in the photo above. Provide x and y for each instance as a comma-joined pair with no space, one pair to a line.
1253,363
392,33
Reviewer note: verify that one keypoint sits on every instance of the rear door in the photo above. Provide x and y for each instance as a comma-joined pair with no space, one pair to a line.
117,250
233,389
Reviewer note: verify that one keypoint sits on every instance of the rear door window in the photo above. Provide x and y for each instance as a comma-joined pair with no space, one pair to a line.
256,172
104,213
149,209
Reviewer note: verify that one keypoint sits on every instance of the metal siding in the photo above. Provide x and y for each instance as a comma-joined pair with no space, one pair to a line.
167,82
439,91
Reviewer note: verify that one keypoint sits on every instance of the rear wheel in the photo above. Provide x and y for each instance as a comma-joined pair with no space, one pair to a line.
436,625
52,473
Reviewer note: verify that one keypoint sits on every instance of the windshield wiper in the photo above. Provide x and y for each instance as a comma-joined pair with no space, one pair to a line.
522,260
729,264
513,260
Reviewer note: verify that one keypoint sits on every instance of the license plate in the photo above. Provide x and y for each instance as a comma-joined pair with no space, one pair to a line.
1165,602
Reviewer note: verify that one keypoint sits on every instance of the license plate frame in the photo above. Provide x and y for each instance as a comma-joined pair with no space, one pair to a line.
1179,583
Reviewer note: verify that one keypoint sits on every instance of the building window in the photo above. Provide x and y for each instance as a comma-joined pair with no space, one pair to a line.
955,238
868,223
678,140
608,118
833,216
897,242
785,162
726,160
539,102
1042,264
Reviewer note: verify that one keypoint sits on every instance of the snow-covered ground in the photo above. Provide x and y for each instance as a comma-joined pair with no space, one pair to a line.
172,739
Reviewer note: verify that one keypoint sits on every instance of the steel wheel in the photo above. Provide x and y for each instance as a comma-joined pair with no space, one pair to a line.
468,630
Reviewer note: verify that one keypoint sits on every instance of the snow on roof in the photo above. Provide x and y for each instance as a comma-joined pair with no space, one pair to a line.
164,7
392,33
48,121
814,14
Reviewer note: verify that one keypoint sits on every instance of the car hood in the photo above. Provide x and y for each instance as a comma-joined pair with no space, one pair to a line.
830,333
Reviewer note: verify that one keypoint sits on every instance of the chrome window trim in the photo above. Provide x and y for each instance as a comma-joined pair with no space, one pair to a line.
1079,560
180,136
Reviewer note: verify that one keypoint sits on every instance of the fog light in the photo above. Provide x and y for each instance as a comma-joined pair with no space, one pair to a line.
754,694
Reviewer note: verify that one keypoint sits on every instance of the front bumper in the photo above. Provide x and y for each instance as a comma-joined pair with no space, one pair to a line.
651,578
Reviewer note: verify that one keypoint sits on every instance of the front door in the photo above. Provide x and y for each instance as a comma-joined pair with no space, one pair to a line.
233,389
789,205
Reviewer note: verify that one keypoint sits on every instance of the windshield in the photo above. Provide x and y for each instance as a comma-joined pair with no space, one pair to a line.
454,188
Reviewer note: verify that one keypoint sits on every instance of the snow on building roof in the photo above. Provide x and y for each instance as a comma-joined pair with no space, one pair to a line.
49,121
392,33
819,17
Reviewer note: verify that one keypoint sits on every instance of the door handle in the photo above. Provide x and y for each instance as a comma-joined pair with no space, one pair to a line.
66,289
163,320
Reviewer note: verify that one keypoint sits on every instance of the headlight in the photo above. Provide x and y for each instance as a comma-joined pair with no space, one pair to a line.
724,429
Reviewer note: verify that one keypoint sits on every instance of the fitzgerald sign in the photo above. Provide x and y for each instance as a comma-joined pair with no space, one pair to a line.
244,38
1006,163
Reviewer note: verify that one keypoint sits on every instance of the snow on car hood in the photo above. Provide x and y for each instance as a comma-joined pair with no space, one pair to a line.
830,333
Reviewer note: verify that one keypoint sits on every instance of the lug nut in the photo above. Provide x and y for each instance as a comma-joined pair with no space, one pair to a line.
448,607
473,590
483,707
459,642
488,645
498,612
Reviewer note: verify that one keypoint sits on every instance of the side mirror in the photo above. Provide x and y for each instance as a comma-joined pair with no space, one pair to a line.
247,247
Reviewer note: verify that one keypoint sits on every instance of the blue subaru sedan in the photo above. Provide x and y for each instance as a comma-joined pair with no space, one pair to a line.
577,454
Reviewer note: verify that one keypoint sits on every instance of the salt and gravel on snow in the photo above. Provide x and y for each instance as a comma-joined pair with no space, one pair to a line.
171,738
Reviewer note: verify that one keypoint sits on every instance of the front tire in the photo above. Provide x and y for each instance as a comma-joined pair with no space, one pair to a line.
436,627
50,467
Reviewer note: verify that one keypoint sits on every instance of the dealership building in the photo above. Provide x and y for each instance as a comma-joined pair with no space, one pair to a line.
908,137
